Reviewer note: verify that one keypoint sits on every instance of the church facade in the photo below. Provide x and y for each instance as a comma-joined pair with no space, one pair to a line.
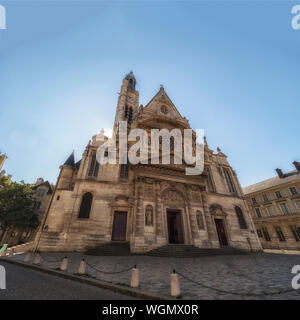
147,205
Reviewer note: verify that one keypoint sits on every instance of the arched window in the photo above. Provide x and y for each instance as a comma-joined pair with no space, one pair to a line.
94,167
240,216
229,180
85,207
210,183
124,168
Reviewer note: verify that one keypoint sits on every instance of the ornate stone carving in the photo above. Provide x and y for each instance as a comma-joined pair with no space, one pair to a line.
217,210
149,215
173,199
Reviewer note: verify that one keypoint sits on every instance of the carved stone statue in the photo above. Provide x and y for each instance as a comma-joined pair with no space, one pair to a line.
149,216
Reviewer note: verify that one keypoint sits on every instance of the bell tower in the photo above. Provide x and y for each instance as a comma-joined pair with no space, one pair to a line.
128,101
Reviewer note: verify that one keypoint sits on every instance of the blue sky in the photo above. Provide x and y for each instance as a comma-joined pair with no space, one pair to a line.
230,67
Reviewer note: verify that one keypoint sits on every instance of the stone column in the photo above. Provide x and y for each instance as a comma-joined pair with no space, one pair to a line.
212,233
158,209
191,216
139,212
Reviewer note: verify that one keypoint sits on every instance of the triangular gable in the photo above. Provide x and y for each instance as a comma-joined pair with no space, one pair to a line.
163,105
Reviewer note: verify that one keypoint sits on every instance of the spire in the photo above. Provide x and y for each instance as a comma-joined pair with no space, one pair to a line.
131,80
70,161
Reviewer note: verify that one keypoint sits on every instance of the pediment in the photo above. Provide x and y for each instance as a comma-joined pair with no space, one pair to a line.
162,106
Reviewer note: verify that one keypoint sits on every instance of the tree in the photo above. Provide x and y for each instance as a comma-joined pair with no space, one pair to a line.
16,207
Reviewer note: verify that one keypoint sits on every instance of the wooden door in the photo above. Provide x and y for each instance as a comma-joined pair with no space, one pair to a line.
174,227
221,232
119,226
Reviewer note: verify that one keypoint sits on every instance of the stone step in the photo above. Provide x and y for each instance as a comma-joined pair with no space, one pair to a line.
112,248
182,251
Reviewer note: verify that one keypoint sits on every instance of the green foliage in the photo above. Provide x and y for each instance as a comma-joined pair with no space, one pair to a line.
16,206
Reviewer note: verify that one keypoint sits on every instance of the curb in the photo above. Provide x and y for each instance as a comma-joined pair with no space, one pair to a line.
97,283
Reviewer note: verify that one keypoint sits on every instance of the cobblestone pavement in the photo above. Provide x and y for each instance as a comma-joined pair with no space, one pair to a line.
257,274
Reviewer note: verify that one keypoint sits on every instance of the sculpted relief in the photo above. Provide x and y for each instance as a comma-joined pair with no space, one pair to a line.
173,199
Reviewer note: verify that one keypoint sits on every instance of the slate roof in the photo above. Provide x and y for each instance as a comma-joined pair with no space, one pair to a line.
70,161
273,182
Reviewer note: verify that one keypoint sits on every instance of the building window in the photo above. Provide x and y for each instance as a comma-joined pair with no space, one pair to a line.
293,191
229,180
72,186
254,201
296,232
41,192
270,211
210,183
284,208
241,218
128,112
278,194
280,235
94,167
259,233
265,197
298,204
57,198
266,234
85,207
124,168
258,213
200,221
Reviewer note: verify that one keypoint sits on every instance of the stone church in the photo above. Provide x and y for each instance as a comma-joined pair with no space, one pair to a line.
146,205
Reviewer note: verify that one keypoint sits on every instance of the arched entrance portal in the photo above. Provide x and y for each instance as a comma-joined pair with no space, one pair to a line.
174,221
174,205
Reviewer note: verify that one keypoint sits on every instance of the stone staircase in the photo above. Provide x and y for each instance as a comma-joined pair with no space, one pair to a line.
21,248
122,248
113,248
190,251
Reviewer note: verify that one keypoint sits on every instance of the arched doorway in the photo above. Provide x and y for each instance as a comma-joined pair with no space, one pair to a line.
174,221
219,217
174,204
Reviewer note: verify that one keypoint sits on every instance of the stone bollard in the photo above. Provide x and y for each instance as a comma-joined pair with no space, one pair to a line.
27,256
37,259
64,264
175,288
134,277
82,267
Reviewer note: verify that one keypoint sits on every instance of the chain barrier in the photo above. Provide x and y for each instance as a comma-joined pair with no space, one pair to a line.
105,272
246,294
50,261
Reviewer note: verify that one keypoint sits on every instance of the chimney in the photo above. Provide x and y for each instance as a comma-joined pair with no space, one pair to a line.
39,181
280,173
297,165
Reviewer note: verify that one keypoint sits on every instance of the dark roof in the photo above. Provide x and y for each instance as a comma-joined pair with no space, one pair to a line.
77,164
273,182
70,161
45,183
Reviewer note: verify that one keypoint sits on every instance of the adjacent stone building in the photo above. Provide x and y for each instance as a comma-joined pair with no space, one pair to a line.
148,205
275,207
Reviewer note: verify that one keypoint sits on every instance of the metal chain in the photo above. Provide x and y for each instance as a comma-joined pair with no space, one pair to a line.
105,272
51,260
235,293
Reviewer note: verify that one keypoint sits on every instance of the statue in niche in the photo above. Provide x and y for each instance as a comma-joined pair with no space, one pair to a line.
149,215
